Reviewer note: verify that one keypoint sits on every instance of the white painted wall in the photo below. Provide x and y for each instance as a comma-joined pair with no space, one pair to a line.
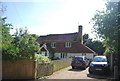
74,54
57,55
69,55
90,55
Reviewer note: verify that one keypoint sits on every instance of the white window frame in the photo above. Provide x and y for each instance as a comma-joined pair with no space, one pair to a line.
53,44
63,55
68,44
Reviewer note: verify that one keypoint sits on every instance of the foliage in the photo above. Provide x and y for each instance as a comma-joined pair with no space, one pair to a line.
95,45
106,26
21,45
9,51
5,30
43,77
26,43
34,36
42,58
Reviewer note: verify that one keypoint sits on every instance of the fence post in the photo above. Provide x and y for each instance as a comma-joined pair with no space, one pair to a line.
111,61
115,72
35,69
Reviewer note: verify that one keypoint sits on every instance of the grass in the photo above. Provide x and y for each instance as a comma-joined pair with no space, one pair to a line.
43,77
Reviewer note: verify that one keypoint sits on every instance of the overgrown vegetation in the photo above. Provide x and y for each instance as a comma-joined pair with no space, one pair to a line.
21,45
106,26
43,77
42,58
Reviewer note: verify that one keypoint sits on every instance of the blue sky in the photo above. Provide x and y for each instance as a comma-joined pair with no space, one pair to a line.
44,17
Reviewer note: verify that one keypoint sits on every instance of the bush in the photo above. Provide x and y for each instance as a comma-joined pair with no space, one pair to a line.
9,52
42,58
21,45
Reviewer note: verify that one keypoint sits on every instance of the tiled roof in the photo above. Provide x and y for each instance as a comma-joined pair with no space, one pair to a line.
58,37
75,48
60,40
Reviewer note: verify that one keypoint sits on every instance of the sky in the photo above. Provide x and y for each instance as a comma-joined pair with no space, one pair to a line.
44,17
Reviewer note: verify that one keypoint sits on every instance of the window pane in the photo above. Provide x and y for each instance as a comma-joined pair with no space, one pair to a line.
68,44
53,44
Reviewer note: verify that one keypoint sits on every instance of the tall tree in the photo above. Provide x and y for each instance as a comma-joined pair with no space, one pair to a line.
8,49
106,26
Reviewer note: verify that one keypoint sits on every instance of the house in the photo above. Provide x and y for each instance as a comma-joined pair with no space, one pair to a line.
64,45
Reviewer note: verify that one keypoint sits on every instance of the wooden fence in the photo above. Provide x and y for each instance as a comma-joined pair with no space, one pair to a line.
20,69
29,69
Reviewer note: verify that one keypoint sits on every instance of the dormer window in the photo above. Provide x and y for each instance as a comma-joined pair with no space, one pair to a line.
68,44
53,44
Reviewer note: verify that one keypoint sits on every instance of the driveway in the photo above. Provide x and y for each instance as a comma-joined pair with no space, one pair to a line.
69,73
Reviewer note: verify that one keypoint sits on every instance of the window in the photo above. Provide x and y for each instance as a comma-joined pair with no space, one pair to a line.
78,58
99,59
45,53
53,44
68,44
83,54
63,55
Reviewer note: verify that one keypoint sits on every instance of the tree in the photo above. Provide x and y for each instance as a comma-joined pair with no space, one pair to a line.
21,45
106,26
34,36
26,43
8,49
5,31
95,45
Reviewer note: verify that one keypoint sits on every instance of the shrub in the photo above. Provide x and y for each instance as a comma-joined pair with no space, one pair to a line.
21,45
41,58
9,52
26,43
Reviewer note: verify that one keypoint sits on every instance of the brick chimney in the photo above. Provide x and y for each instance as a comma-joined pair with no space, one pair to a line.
79,37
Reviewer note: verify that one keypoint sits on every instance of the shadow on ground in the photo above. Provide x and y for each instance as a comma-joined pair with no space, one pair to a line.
100,76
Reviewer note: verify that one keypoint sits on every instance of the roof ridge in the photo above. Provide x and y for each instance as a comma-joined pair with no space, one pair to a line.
62,34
